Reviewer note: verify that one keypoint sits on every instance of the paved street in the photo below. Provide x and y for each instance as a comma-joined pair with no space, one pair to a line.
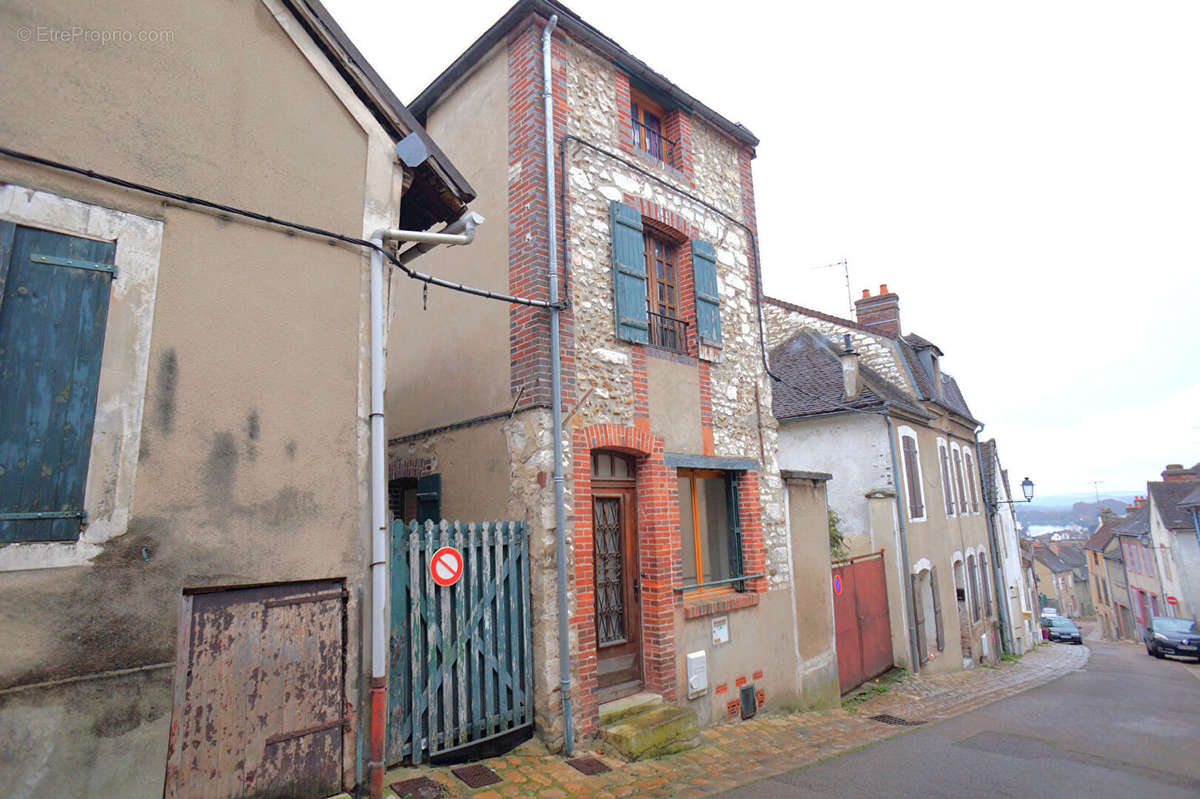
1124,725
761,754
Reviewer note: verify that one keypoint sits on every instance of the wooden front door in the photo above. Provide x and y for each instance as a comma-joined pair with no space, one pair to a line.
618,608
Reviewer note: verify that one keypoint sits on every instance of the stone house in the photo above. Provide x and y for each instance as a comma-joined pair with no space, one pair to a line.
1142,575
679,547
871,406
1020,618
1174,541
1104,597
1072,555
1056,580
185,393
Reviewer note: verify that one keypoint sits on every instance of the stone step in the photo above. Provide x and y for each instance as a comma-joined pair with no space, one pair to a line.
659,731
612,712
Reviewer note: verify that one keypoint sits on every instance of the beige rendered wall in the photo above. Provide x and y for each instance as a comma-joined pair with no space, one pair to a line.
251,443
449,361
674,394
816,652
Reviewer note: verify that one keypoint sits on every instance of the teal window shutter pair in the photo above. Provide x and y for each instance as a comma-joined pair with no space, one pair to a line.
629,280
54,292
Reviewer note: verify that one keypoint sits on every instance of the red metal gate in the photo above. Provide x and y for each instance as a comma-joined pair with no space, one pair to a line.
862,623
258,708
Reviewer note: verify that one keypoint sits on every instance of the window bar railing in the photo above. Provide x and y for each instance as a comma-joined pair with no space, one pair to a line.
668,333
653,143
714,583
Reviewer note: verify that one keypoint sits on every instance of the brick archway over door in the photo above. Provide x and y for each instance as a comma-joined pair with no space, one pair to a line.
658,541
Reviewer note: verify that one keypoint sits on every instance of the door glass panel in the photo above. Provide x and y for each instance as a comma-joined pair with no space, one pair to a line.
610,598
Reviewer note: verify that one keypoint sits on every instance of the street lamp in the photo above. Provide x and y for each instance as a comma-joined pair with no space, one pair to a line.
1026,489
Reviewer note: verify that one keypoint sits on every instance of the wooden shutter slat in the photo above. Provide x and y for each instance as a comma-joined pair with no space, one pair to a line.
429,498
916,506
629,273
708,301
919,616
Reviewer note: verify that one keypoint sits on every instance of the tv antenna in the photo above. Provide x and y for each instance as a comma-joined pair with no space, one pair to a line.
846,271
1096,485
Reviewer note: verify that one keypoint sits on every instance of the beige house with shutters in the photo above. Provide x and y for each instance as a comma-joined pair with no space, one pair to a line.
874,408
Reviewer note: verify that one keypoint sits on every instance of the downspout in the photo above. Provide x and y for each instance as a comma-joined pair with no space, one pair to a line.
564,641
997,566
908,590
459,232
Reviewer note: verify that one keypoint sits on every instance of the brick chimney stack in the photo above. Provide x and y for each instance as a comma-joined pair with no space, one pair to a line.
1175,473
880,313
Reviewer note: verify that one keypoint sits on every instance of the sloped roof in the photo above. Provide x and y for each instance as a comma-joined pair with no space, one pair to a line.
953,397
1104,533
921,343
1051,561
1071,556
572,23
812,383
1135,523
1168,498
439,192
1192,500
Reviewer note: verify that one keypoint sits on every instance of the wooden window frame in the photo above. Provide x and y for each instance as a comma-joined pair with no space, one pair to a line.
970,470
639,106
652,235
698,590
912,475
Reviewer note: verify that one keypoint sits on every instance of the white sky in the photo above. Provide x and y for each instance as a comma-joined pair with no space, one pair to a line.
1025,175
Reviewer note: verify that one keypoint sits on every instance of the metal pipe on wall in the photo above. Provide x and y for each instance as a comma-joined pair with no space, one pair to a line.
560,532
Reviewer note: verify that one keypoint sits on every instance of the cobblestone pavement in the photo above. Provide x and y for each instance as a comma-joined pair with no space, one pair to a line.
764,746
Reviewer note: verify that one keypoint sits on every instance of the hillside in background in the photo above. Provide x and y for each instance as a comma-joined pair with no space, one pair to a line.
1081,513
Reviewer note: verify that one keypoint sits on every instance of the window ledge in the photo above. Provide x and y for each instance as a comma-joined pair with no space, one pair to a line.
710,606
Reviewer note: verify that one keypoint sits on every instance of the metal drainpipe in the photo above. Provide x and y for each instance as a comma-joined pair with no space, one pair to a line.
564,640
1006,632
908,590
460,232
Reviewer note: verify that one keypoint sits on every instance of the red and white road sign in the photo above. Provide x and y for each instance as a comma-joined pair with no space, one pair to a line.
446,566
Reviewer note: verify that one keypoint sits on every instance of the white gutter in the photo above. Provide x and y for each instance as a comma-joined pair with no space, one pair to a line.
460,232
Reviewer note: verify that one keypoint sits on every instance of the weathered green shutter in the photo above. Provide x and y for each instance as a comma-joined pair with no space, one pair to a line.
54,293
629,273
708,302
735,528
429,498
937,609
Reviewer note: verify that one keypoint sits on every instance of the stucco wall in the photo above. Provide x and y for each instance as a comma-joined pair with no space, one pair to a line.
250,457
449,352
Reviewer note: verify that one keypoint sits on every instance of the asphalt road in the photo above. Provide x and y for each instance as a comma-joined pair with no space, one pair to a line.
1126,725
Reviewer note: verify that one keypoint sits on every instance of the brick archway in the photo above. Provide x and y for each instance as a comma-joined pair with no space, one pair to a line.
658,539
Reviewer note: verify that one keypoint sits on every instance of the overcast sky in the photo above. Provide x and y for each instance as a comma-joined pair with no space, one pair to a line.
1025,175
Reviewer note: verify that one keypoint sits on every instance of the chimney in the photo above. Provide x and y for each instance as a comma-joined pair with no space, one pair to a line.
850,380
1175,473
880,313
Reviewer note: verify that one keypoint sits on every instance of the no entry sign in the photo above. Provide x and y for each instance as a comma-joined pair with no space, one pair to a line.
837,585
446,566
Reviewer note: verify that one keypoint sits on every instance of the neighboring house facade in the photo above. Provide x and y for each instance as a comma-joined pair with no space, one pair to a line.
997,492
1174,541
899,439
183,493
1142,576
1103,594
1055,581
675,506
1074,557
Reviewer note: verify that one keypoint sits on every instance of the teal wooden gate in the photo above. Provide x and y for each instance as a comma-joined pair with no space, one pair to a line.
461,669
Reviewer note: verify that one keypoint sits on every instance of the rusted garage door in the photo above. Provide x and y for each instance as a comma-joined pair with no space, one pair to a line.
860,609
258,709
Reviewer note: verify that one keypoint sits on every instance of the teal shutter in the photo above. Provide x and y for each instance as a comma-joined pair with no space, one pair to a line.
708,303
54,293
629,273
429,498
735,528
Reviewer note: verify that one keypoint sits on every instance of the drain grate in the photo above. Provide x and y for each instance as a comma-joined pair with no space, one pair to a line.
888,718
419,788
476,776
588,765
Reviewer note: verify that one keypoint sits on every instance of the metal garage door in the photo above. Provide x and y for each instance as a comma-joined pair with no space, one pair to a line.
860,608
259,708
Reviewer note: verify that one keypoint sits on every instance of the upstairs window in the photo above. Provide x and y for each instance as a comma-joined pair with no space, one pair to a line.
971,481
667,330
958,482
947,489
648,117
912,475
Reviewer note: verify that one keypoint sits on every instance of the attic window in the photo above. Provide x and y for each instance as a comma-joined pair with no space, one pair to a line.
648,120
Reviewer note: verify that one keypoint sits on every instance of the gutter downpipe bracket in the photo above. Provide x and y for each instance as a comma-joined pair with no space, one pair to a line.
461,232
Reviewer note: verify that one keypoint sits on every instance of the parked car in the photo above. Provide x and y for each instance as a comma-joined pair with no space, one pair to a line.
1166,636
1060,628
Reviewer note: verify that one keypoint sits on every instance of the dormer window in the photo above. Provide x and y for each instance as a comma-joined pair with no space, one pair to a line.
648,119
